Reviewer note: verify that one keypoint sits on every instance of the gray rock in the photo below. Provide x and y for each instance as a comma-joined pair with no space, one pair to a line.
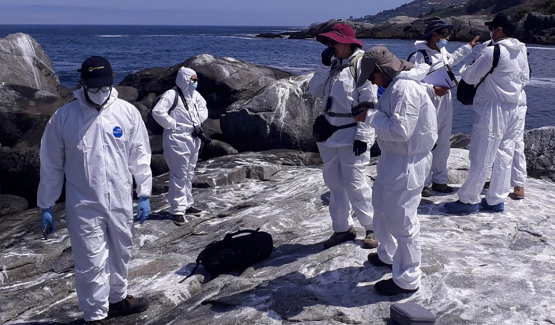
126,93
540,149
158,165
460,140
221,80
217,148
20,166
280,116
537,28
12,204
21,107
23,62
468,262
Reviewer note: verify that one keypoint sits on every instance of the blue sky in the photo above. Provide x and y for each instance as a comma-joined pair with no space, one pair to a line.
187,12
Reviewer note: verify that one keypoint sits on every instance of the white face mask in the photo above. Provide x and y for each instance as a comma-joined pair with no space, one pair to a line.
99,98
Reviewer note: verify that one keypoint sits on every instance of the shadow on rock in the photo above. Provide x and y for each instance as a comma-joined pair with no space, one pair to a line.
294,293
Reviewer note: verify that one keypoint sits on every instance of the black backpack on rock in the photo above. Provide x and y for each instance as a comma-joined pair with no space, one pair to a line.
236,251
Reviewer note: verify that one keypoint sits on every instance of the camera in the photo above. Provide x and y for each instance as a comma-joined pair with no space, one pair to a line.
198,132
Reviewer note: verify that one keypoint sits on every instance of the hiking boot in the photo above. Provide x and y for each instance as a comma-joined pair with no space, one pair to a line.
374,259
370,240
442,188
340,237
486,185
461,208
127,306
426,192
389,288
518,193
193,211
178,219
96,322
494,208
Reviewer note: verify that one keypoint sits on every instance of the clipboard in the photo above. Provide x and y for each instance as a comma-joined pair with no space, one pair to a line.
442,77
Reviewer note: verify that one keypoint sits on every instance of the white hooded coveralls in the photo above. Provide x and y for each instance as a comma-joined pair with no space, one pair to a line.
498,122
406,130
344,173
180,147
443,104
99,152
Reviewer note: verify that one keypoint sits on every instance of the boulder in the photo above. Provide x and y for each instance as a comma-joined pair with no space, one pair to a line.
21,107
217,148
23,62
12,204
20,166
126,93
537,28
539,148
280,116
222,80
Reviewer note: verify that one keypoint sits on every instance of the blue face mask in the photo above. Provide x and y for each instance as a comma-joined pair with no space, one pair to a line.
441,44
193,85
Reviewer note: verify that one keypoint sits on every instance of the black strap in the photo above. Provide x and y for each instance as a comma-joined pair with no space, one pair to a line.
339,127
333,114
496,54
424,53
174,105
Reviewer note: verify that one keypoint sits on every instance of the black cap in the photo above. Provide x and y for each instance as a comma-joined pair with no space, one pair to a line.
97,72
502,20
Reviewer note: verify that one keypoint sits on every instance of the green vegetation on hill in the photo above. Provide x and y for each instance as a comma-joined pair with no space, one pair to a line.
446,8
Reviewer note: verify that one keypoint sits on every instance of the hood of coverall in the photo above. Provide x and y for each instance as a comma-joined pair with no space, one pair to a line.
183,80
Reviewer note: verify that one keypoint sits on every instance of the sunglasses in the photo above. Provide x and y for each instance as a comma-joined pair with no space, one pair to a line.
444,34
95,90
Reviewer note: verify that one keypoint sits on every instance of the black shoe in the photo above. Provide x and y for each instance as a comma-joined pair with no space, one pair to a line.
374,259
178,219
370,240
442,188
193,211
127,306
426,192
389,288
340,237
96,322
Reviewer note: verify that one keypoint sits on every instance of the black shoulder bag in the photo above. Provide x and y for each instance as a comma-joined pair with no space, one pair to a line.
466,92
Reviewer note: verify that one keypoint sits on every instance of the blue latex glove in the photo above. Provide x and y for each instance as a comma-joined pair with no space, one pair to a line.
359,147
48,225
327,55
143,209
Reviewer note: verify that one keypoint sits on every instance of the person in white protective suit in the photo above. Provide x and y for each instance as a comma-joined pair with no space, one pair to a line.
498,123
182,139
518,170
432,51
100,144
345,153
406,130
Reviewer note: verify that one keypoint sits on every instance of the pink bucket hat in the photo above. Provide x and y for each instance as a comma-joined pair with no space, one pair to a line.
341,33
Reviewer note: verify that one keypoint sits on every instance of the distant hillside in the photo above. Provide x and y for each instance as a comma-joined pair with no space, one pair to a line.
417,8
445,8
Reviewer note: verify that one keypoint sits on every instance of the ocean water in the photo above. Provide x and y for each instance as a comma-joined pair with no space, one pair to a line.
133,48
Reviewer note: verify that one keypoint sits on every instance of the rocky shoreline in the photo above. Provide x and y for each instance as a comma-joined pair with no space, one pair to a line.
533,28
262,171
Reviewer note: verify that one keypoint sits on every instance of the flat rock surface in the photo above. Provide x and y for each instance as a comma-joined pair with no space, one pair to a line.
486,268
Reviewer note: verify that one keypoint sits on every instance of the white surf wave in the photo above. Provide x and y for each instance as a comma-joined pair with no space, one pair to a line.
108,35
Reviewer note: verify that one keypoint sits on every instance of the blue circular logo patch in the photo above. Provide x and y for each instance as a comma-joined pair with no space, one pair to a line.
118,132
